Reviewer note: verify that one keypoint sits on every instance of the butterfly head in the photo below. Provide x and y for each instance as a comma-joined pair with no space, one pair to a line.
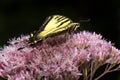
33,39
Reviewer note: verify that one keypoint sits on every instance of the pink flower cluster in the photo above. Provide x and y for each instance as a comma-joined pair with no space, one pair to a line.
62,57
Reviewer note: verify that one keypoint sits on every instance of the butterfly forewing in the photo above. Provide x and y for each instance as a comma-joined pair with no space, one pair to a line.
55,25
57,21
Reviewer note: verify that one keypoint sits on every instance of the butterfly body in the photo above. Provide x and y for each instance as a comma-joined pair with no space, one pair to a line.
54,25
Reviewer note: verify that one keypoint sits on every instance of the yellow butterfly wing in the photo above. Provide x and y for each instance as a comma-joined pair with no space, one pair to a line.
56,24
53,25
57,21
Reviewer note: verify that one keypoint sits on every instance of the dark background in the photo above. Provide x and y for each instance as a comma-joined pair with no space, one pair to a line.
25,16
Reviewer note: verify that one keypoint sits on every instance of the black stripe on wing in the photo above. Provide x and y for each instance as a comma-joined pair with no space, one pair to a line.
45,23
62,23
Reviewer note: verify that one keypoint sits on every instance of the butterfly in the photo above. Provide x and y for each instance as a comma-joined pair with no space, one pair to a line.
53,25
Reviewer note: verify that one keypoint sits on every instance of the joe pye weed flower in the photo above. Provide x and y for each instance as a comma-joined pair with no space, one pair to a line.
63,57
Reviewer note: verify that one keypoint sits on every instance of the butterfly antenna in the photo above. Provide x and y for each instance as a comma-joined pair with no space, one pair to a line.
85,20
